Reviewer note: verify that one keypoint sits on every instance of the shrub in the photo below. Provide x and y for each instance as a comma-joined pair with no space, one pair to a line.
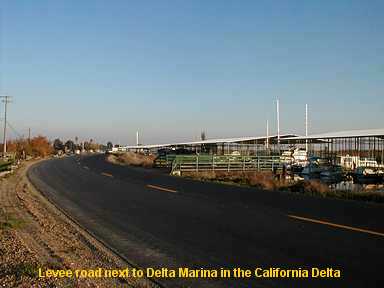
131,158
38,146
315,187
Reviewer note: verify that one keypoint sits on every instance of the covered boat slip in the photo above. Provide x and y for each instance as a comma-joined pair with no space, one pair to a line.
247,146
356,147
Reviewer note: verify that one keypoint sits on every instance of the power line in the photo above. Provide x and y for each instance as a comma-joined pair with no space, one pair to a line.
18,134
14,130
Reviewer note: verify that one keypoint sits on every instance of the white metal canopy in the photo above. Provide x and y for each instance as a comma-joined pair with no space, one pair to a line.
343,134
209,141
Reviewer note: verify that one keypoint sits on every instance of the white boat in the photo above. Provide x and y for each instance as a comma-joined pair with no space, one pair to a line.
368,174
286,157
295,159
351,162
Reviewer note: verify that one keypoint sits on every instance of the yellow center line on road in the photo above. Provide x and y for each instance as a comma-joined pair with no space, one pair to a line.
337,225
107,174
161,188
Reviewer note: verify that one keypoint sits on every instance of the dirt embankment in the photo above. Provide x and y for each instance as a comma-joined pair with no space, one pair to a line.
131,158
33,235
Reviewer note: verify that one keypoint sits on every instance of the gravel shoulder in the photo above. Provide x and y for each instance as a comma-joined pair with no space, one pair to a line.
34,234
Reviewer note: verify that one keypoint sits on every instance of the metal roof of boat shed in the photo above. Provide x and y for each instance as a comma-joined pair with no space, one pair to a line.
343,134
210,141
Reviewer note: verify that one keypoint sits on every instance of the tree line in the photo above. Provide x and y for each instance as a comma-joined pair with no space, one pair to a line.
71,146
40,146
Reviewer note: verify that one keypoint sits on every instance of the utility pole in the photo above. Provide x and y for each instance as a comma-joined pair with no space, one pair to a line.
267,142
5,100
29,135
278,124
306,127
137,138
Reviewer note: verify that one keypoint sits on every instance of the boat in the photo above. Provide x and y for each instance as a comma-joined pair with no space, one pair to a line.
295,159
286,157
315,166
333,171
312,168
368,175
300,157
296,168
352,162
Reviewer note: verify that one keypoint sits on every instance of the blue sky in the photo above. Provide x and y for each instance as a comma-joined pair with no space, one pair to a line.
103,69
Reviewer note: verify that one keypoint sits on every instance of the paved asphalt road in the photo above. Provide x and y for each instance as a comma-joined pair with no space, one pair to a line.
160,221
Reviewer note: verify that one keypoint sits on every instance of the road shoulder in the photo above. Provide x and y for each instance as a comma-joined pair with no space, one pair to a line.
34,234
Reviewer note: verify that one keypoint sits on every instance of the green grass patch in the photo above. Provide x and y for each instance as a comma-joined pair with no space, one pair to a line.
11,222
23,270
5,165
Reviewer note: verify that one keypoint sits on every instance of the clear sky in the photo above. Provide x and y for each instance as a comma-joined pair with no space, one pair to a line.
103,69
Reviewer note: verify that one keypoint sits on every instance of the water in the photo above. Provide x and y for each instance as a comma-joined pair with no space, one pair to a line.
357,187
344,183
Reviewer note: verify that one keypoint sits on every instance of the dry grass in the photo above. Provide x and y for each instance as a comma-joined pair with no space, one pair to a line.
311,187
268,181
11,222
263,180
134,159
